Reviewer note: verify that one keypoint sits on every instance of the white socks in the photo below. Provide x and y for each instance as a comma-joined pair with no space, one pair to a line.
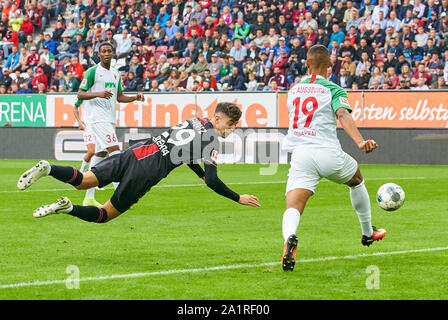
90,193
115,184
84,166
361,203
291,219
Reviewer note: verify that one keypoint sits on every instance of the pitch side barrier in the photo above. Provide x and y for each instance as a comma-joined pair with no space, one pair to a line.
245,145
410,126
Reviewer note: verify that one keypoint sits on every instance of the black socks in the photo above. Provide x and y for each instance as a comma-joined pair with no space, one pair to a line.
89,213
66,174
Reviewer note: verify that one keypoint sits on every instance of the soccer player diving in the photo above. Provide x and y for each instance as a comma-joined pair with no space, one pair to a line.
143,165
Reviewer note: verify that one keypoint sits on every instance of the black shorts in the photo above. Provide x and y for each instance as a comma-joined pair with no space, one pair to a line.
135,177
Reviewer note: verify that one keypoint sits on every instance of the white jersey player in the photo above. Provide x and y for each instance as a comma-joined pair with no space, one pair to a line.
315,104
100,91
89,139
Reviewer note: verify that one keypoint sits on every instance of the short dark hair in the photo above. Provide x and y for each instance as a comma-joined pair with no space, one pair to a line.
229,109
105,43
318,54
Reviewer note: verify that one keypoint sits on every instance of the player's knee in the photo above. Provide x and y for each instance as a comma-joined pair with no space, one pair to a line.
88,156
111,211
101,154
113,149
104,217
355,181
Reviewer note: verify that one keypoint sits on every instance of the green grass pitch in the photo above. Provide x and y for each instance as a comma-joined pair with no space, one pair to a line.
183,241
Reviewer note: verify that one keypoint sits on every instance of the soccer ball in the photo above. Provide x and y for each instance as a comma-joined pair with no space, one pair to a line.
390,196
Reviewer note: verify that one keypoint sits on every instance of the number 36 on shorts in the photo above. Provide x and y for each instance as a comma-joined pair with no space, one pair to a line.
111,138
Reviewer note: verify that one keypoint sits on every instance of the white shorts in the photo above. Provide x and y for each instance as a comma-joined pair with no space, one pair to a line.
309,165
88,136
104,134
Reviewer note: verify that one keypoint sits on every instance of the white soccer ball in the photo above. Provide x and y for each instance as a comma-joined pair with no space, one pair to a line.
390,196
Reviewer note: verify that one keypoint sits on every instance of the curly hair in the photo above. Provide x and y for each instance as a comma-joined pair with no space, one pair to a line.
229,109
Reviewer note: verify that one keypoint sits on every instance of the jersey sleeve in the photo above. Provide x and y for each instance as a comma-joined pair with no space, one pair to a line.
339,99
197,169
210,156
88,80
78,103
120,86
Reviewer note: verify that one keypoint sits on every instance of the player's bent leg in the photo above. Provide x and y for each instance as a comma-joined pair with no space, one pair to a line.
95,214
90,152
295,204
89,180
86,213
361,203
101,154
297,198
112,212
87,157
113,149
356,179
89,198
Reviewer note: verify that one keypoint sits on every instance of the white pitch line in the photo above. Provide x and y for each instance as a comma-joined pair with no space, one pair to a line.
238,266
203,185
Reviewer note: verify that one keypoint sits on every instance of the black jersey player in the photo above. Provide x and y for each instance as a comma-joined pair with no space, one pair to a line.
144,164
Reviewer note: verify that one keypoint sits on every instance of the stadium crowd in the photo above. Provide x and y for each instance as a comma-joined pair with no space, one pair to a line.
223,45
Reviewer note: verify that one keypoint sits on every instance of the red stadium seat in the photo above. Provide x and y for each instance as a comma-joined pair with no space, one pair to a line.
59,65
158,54
162,49
379,58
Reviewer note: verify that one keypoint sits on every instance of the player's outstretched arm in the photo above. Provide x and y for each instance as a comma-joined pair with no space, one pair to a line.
196,168
214,183
122,98
349,125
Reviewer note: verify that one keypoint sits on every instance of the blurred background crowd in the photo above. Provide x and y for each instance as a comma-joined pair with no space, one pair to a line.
223,45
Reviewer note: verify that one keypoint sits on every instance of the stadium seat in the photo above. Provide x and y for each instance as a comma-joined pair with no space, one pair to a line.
163,49
120,63
379,58
59,65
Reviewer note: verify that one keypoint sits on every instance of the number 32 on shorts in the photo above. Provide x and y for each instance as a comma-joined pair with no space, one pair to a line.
306,112
111,138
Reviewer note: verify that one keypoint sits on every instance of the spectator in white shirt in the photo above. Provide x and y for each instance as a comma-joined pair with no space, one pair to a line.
191,79
394,21
380,7
124,45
